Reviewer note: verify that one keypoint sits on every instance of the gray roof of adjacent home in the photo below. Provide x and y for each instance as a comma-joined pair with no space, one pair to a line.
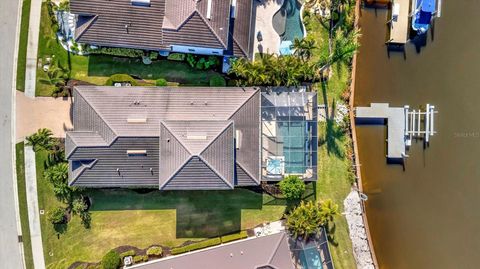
118,23
271,251
189,132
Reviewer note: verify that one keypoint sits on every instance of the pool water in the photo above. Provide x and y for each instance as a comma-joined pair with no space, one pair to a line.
310,259
294,135
287,21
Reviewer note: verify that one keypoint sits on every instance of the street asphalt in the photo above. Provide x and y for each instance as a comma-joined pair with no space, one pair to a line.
10,253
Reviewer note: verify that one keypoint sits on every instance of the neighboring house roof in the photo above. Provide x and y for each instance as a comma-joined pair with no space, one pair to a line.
163,23
271,251
195,130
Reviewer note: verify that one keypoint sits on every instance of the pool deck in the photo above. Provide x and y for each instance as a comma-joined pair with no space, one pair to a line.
395,117
263,23
399,26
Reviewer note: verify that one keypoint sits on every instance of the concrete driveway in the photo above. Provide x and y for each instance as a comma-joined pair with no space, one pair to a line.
42,112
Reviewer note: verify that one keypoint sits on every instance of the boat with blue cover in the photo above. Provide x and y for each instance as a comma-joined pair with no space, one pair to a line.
422,15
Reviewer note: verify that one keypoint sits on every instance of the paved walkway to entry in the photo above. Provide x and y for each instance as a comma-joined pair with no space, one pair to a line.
32,48
42,112
33,211
265,10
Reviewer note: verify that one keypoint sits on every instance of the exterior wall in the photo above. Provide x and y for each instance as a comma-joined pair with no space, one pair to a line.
134,171
196,50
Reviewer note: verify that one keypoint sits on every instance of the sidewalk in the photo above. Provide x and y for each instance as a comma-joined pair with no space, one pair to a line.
33,211
32,48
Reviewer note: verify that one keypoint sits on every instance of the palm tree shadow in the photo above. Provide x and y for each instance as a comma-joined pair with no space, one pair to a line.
331,227
333,138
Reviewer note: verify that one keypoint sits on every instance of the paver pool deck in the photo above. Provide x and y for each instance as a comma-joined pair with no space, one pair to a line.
42,112
263,23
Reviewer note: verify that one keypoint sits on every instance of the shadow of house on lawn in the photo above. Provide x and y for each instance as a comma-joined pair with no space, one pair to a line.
199,214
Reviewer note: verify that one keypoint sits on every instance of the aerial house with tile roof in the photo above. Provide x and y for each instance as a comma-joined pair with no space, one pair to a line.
210,27
179,139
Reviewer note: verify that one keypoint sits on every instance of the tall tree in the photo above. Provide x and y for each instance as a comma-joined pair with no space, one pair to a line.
42,139
305,220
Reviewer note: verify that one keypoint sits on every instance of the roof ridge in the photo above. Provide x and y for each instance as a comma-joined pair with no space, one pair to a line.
211,29
83,168
247,171
99,115
229,122
208,145
276,248
255,91
180,167
88,24
163,122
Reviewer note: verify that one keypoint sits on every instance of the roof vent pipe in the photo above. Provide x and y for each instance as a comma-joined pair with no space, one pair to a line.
209,9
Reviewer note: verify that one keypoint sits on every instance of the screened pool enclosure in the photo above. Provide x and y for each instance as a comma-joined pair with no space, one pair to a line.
289,134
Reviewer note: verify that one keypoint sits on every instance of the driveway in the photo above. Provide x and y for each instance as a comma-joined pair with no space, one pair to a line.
42,112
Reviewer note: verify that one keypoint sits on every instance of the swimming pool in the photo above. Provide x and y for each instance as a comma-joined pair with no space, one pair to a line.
287,22
310,259
294,135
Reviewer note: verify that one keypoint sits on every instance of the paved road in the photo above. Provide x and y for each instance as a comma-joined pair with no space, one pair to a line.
10,253
33,211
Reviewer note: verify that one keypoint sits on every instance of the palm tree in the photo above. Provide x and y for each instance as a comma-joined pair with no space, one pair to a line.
304,48
329,210
42,139
345,46
305,220
58,176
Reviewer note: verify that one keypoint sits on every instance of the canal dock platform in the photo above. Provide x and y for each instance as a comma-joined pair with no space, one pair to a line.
399,22
395,117
403,125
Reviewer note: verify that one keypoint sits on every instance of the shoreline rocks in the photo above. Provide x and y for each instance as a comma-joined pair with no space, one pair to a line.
358,234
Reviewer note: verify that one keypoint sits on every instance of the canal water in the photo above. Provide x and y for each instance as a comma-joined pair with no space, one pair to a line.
426,214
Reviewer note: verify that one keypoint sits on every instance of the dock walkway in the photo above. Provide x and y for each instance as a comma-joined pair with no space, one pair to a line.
395,117
399,22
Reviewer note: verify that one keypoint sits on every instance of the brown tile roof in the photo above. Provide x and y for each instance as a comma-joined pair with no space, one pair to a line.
200,124
271,251
118,23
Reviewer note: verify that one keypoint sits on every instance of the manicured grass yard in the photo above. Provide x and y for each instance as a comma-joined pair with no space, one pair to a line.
125,217
96,69
334,172
22,45
22,200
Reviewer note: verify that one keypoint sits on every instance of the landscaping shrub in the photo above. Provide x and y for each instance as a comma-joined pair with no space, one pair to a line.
57,215
176,57
233,237
123,78
127,253
161,82
155,251
153,55
140,258
123,52
217,81
202,63
292,187
111,260
203,244
79,206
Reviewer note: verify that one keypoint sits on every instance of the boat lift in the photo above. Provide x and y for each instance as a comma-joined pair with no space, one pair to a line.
413,124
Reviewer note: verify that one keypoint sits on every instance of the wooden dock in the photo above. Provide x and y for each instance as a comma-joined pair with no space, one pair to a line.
399,22
395,117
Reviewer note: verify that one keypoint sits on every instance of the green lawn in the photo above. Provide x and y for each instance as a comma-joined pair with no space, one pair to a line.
96,69
22,45
125,217
334,171
22,200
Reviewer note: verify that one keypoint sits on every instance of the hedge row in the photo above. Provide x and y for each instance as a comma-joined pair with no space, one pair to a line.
233,237
155,251
140,258
203,244
127,253
210,242
123,52
121,78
